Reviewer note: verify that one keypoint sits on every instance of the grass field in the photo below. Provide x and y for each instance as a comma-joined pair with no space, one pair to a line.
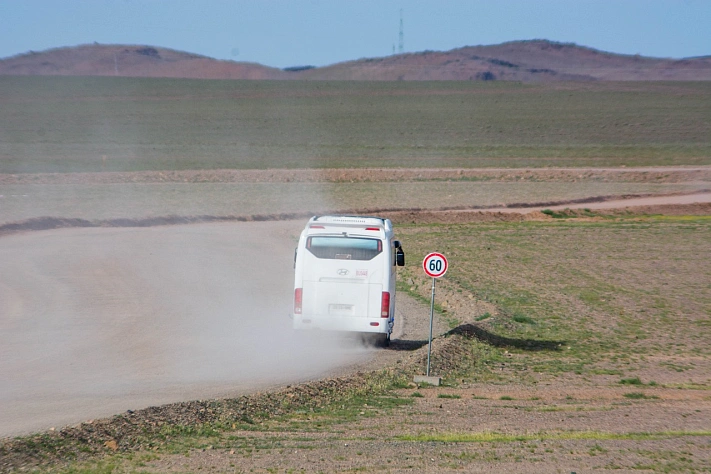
623,297
60,124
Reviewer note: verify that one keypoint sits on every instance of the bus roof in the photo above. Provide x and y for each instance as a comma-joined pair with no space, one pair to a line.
348,221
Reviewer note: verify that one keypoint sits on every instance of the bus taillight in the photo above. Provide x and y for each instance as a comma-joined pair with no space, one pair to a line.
298,296
385,305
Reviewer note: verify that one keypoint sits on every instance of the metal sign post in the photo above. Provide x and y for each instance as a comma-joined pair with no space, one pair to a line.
435,265
429,343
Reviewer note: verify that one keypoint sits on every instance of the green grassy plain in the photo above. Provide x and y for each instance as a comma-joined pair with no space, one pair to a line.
62,124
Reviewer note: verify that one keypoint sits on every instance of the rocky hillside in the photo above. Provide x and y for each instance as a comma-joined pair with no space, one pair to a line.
526,61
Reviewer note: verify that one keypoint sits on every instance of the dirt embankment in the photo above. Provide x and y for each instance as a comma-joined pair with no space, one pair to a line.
651,203
671,204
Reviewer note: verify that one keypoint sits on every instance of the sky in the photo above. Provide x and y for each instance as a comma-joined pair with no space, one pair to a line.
284,33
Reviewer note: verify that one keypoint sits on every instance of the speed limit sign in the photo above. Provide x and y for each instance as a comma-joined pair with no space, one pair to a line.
435,265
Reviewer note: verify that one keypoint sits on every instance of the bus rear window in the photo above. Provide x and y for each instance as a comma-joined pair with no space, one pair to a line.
344,248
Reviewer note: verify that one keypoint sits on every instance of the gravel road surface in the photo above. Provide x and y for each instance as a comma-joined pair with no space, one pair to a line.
99,321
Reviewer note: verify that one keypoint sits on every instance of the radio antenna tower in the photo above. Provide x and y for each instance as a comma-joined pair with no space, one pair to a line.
401,44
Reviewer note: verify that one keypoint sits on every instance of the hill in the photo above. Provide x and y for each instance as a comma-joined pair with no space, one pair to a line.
525,61
131,61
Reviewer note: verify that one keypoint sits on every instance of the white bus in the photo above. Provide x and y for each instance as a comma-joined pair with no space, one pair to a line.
345,270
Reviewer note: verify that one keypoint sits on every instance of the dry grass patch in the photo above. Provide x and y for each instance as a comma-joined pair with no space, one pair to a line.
614,294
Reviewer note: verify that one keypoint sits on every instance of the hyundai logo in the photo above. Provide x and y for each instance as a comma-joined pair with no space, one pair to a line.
342,271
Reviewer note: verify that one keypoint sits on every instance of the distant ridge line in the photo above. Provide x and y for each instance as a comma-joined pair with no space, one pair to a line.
535,60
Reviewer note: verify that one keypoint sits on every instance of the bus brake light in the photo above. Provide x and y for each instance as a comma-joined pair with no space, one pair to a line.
298,296
385,305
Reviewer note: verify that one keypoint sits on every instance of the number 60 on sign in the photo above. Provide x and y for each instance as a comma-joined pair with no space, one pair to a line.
435,265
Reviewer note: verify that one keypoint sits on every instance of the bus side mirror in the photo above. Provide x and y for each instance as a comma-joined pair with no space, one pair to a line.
400,257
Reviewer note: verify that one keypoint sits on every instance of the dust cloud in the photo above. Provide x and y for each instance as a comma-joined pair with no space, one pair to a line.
94,322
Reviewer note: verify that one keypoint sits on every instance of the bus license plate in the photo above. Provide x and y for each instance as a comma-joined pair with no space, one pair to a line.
340,308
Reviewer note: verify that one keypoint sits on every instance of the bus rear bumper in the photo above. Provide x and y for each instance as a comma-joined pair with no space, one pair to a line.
341,324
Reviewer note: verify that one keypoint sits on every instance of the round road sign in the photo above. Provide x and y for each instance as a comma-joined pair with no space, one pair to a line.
435,264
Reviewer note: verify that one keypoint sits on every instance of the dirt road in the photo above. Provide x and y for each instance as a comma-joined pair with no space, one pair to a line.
99,321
